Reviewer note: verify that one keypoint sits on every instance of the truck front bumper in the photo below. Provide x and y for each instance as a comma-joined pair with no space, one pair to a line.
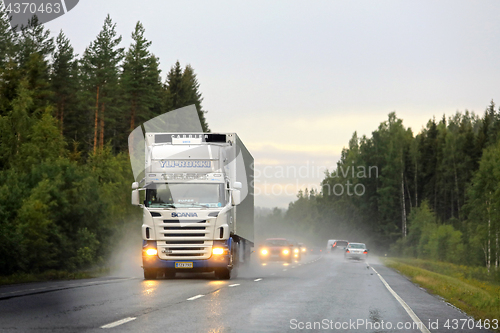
205,265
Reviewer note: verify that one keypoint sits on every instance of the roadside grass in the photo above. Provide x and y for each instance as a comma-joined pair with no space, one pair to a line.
480,299
52,275
457,271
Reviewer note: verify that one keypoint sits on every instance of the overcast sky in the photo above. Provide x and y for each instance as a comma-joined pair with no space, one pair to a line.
295,79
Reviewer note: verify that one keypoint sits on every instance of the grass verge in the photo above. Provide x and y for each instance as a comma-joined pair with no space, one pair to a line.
51,275
479,299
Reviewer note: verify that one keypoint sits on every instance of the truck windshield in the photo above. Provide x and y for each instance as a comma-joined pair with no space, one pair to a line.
185,195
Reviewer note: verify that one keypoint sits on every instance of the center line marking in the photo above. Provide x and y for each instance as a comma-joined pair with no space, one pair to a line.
119,322
194,297
257,280
234,285
412,314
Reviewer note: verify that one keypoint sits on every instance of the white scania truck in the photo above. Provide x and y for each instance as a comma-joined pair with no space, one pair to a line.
198,204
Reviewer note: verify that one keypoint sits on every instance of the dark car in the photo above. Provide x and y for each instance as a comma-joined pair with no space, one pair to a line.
337,246
277,249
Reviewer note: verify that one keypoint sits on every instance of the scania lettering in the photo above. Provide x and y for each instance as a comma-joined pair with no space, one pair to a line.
184,214
197,203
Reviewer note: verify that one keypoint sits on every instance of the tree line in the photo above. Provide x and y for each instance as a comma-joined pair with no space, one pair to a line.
64,122
436,194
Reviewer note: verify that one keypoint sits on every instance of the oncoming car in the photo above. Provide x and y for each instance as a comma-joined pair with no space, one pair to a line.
356,251
303,249
277,249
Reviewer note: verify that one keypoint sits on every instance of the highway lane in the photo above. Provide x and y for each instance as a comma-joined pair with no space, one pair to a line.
316,294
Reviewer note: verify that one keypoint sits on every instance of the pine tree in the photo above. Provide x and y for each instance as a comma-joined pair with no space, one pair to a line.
35,48
140,81
183,90
193,95
64,81
175,88
7,37
100,69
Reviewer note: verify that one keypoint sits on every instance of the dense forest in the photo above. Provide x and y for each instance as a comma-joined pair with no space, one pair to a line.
64,122
433,195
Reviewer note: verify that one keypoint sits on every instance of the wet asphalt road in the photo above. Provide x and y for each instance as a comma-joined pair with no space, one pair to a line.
318,294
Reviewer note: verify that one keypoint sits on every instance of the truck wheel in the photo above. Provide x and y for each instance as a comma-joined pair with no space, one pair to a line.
150,274
223,273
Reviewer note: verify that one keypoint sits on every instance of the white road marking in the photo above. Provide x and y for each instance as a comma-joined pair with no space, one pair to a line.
194,297
257,280
410,312
234,285
119,322
285,270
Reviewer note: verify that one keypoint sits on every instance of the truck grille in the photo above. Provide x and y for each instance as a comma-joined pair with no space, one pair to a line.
184,255
185,221
184,235
184,239
185,242
183,228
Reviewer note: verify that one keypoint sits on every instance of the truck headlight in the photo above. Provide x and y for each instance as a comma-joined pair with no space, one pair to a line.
218,250
285,252
263,252
296,250
151,252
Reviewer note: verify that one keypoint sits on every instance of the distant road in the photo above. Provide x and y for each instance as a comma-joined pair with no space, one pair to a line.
318,294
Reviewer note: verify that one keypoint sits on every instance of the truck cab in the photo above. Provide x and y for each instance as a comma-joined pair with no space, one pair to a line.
197,204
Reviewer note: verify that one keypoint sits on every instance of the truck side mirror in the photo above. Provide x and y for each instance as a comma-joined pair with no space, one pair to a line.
135,198
135,185
236,196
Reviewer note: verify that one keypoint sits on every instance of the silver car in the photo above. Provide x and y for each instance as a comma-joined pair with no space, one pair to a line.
356,251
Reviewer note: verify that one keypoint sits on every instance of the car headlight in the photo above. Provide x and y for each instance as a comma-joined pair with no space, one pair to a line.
263,252
285,251
296,250
303,249
151,252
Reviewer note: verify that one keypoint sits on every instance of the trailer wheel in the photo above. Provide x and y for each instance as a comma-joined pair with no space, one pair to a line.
150,274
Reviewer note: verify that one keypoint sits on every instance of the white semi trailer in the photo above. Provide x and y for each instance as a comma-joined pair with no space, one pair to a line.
198,204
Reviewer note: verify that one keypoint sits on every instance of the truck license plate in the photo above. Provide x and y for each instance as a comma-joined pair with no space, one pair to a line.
183,265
